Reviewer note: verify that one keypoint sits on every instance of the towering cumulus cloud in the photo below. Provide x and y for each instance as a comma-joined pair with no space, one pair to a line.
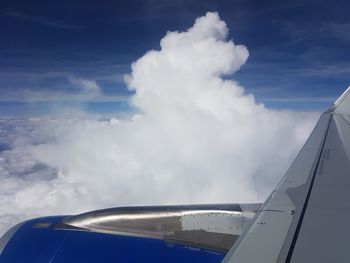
196,138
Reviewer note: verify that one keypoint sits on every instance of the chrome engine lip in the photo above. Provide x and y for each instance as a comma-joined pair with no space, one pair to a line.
212,226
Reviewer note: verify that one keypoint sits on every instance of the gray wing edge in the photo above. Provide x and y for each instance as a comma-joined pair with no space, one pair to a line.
273,235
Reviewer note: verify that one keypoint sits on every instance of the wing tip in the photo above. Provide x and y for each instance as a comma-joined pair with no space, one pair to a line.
342,103
342,97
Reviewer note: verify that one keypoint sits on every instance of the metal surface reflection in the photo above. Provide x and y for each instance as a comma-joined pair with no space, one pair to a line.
215,227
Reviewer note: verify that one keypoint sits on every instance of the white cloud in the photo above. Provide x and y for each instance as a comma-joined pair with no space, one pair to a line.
198,138
88,87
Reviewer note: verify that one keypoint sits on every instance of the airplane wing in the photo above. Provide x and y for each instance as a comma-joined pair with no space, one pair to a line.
306,218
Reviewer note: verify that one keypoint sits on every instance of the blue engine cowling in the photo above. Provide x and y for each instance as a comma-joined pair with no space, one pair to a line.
38,241
197,233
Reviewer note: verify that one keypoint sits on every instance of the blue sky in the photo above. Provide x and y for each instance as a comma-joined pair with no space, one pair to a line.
58,58
299,56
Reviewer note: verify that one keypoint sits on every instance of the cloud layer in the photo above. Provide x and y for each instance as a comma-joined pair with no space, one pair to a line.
197,138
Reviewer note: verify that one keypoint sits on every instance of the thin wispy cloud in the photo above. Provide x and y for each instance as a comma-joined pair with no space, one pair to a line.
42,20
64,83
315,31
85,95
326,70
300,99
88,87
340,31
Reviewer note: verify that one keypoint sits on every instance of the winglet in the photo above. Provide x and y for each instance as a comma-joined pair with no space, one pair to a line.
342,104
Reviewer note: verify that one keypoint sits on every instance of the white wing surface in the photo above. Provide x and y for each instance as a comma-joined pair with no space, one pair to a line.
307,217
